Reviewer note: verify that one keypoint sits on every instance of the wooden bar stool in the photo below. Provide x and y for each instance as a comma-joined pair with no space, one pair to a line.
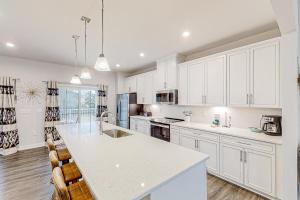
76,191
70,170
63,154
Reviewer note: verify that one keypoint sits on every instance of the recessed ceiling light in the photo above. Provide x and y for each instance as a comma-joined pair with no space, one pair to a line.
118,65
186,34
9,44
142,55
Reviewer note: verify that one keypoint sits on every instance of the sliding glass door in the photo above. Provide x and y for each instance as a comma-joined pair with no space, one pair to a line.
77,105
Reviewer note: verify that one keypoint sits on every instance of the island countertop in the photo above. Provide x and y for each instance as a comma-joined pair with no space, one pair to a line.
127,168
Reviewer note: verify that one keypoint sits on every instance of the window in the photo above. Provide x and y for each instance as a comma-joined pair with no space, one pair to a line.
77,104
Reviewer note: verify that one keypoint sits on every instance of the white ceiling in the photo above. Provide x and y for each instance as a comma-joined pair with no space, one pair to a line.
42,29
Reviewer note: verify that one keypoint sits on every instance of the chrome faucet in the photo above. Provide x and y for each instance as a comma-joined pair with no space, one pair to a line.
101,120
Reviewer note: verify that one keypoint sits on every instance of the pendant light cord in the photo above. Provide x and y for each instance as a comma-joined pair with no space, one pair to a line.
102,26
85,36
76,52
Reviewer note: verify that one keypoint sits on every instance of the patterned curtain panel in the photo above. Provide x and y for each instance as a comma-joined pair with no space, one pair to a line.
52,115
9,137
101,99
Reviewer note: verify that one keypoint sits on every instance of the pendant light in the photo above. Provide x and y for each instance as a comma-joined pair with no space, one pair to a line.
75,79
85,72
101,63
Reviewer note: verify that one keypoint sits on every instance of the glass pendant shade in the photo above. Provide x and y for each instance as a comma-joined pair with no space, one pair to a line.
85,74
102,64
75,80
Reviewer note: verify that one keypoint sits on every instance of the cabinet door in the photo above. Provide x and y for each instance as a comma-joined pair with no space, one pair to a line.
171,74
265,76
188,141
215,81
196,84
183,84
161,76
212,149
231,163
140,88
132,124
148,88
238,78
174,137
140,126
260,171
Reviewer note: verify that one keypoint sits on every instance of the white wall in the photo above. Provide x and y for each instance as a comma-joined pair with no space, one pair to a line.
30,118
241,117
290,113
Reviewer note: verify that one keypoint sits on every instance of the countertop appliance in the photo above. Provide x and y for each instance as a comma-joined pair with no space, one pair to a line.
272,125
167,97
160,127
127,106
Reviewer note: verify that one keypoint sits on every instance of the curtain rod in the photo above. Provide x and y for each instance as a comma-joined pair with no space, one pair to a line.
67,83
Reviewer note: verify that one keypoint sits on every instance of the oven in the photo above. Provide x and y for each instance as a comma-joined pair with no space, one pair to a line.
160,131
167,97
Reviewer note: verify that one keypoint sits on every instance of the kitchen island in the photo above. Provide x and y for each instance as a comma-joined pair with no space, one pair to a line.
135,167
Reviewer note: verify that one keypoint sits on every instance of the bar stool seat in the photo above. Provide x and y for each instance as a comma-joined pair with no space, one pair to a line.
63,154
70,172
80,191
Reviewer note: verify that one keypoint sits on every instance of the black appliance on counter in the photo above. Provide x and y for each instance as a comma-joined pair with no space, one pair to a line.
272,125
160,127
127,106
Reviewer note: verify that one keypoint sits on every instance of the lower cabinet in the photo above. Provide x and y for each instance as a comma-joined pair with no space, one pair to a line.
231,164
140,125
248,163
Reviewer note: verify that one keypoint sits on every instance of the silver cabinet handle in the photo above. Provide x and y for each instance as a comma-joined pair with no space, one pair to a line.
195,144
250,99
205,99
245,156
241,156
247,100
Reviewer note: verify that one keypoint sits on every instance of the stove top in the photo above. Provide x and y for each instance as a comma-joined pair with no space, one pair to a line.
166,120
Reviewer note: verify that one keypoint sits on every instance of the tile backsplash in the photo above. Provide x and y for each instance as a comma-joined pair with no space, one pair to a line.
240,117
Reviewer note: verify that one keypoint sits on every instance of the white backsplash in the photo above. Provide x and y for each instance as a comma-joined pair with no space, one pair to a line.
240,117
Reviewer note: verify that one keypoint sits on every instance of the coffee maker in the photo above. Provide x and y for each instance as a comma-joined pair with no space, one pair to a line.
272,125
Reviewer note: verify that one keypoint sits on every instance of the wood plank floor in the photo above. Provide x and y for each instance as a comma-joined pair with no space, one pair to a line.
26,176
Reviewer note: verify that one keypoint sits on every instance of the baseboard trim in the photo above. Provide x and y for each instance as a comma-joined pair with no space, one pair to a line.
32,146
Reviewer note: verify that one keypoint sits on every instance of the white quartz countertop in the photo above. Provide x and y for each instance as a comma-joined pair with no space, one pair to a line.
125,168
238,132
143,117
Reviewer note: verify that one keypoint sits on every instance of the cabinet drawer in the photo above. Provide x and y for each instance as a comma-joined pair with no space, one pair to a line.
250,144
200,134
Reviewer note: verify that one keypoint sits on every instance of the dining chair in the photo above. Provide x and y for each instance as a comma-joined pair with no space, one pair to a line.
63,154
76,191
70,170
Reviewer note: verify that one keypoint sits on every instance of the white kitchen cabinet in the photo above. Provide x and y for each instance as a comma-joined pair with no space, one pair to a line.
264,75
238,78
188,141
196,83
231,163
133,124
145,88
167,72
260,171
174,136
131,84
212,149
183,84
215,81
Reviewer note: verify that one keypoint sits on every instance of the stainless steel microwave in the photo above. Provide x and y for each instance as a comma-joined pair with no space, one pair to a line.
167,97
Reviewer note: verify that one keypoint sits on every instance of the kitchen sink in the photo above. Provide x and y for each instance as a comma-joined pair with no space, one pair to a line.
114,133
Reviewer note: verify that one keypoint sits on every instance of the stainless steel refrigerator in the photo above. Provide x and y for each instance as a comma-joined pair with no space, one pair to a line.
127,106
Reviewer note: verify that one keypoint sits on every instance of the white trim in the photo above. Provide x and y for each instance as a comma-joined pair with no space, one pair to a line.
32,146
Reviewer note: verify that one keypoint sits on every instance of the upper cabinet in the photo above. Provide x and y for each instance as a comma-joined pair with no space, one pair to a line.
264,76
203,82
167,72
145,88
215,81
253,76
130,84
